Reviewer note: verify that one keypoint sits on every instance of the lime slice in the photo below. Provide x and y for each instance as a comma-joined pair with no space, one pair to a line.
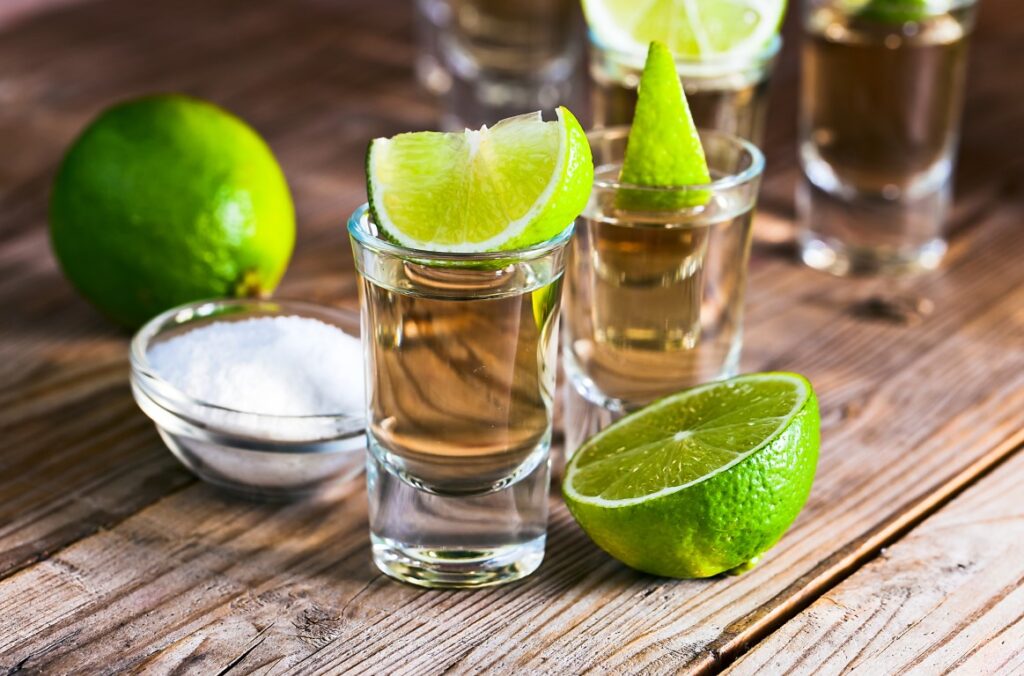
664,148
517,184
700,482
691,28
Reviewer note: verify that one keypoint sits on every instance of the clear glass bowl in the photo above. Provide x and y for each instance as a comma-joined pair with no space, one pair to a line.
253,454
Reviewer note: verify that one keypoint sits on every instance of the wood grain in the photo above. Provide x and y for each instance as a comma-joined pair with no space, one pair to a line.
950,596
114,558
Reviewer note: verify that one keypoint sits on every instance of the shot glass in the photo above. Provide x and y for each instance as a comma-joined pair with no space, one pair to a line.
729,94
491,59
880,112
654,299
460,374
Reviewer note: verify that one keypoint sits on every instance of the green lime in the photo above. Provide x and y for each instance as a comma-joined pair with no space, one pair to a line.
703,481
165,200
705,30
517,184
664,147
899,11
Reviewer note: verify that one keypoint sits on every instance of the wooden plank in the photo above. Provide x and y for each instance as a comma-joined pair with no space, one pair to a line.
949,596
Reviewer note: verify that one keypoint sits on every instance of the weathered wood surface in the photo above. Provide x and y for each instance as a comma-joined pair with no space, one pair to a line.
112,557
949,596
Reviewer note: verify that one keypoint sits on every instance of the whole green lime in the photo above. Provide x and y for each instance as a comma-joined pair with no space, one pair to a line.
165,200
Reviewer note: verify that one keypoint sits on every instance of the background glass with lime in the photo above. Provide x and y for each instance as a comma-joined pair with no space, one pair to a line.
724,53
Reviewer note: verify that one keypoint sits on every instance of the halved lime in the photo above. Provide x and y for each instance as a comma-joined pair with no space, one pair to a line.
692,28
517,184
700,482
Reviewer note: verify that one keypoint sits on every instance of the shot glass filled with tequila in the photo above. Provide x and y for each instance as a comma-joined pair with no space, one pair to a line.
654,299
460,371
879,123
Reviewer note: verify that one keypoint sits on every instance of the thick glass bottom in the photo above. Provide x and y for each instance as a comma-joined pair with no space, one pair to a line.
854,235
458,568
456,541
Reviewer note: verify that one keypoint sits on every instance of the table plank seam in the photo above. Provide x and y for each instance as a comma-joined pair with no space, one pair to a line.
870,548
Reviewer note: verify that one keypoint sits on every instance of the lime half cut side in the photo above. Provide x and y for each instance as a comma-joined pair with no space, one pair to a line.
691,28
700,482
511,186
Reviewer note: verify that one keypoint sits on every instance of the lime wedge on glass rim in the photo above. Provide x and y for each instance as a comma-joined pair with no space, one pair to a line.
511,186
664,148
703,481
691,28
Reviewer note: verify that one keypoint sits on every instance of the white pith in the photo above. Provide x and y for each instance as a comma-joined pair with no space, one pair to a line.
801,386
511,231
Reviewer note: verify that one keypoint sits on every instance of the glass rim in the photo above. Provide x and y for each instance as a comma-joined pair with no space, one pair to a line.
720,64
358,231
751,173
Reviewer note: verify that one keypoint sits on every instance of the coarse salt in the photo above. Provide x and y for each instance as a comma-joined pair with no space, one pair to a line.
282,366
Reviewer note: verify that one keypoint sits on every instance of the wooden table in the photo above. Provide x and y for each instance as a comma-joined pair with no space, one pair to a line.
909,554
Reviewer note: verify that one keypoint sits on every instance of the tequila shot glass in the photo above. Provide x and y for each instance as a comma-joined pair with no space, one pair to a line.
460,375
880,111
654,299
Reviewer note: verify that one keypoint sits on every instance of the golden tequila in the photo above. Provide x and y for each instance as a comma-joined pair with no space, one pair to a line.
461,388
880,114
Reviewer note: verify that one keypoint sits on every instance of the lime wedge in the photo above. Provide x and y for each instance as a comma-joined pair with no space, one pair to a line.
664,148
691,28
517,184
700,482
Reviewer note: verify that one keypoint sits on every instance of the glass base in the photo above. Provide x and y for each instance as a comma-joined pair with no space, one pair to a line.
870,235
457,541
457,568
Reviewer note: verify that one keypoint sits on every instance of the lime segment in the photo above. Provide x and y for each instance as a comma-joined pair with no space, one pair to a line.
516,184
664,147
700,482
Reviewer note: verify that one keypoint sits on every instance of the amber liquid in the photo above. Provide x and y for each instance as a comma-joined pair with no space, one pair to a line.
655,305
461,388
881,101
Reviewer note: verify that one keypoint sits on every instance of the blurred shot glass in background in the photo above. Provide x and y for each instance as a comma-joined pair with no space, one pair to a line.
492,59
724,52
879,125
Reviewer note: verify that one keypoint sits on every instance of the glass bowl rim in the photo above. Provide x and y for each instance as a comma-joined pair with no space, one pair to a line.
152,382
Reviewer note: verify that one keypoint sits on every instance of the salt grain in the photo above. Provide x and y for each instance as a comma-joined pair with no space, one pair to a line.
290,366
